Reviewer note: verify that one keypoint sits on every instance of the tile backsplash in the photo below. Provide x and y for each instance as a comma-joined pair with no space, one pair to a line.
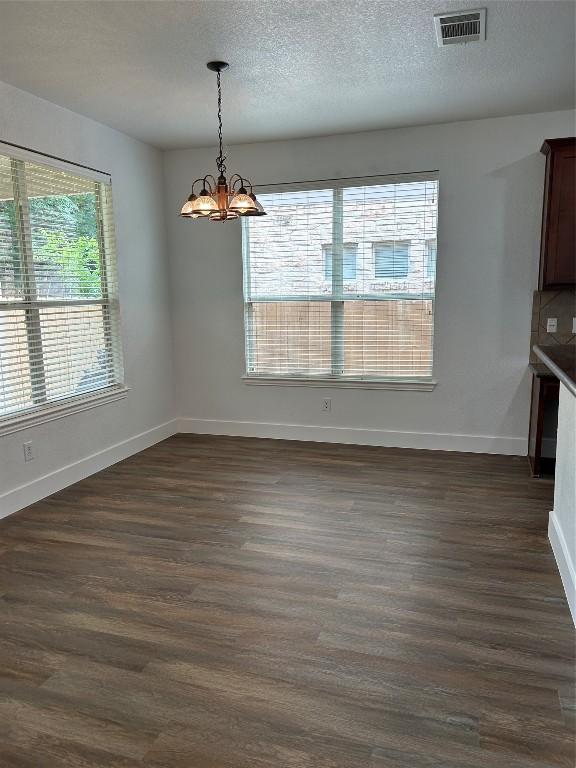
560,304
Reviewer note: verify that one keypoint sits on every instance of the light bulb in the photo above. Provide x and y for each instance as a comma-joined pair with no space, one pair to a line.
204,204
257,209
241,203
188,206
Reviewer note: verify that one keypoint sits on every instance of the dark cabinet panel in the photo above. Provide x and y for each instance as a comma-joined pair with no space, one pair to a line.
558,247
545,396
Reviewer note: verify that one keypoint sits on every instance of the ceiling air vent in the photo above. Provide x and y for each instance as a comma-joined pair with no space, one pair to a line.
460,27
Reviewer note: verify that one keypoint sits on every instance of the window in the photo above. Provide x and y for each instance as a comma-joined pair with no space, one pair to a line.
392,259
301,325
349,261
59,336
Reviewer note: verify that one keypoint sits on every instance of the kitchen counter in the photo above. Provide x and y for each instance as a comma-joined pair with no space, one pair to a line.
559,361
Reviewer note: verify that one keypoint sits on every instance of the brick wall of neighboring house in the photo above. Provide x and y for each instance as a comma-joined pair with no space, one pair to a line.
286,247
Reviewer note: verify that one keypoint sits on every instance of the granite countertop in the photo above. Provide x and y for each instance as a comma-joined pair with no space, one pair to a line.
558,360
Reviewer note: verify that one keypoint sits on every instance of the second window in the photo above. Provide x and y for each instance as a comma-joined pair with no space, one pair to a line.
339,280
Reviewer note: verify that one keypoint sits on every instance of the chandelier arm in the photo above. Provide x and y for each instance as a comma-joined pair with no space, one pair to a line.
234,179
214,182
194,182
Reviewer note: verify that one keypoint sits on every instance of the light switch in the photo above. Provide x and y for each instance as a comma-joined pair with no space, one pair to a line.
551,325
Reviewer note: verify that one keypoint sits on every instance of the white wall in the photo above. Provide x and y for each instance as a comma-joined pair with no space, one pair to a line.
144,301
491,181
562,529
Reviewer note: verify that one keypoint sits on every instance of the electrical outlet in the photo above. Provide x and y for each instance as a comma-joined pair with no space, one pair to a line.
551,325
327,404
28,451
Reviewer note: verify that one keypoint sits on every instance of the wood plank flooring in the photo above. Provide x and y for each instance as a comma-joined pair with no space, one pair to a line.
221,602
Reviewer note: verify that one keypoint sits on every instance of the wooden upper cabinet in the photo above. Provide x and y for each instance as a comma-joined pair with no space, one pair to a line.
558,246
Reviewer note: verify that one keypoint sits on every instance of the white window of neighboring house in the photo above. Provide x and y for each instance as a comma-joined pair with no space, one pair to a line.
59,316
350,254
355,327
392,259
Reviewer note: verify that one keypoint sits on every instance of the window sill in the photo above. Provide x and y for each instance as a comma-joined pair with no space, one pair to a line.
44,414
410,385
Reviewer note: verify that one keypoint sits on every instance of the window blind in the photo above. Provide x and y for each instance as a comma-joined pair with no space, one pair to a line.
59,317
339,280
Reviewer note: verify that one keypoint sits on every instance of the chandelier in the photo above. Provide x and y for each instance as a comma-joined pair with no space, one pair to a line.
220,200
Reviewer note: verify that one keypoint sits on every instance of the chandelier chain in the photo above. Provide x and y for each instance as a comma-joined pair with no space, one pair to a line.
221,159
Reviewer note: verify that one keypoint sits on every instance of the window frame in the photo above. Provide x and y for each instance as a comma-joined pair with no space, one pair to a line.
334,379
431,253
43,409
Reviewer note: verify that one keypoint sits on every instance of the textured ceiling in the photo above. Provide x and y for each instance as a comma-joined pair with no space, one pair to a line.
298,67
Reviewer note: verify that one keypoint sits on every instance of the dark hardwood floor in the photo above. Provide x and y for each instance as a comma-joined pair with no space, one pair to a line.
224,602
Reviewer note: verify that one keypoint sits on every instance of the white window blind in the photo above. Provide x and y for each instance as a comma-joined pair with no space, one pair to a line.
338,282
59,325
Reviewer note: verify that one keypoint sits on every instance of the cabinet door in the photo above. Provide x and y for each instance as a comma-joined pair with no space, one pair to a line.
545,395
559,241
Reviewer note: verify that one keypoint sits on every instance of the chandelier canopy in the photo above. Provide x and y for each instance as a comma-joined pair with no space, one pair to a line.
220,199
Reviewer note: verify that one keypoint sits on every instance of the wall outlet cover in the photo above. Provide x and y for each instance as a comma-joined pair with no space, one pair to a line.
551,325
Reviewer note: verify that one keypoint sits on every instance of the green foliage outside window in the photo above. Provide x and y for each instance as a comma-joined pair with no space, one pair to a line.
76,260
70,245
64,243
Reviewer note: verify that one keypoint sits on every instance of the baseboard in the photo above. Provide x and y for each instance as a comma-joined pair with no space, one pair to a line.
564,562
38,489
27,494
510,446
